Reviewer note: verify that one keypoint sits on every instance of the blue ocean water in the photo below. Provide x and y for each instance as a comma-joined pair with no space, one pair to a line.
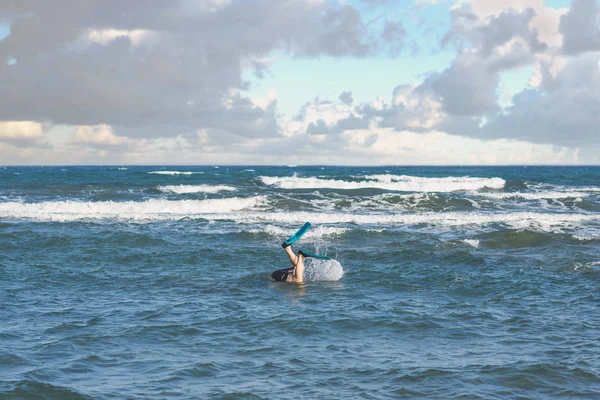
154,282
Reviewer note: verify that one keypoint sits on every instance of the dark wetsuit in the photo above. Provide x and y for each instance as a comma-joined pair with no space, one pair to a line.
281,275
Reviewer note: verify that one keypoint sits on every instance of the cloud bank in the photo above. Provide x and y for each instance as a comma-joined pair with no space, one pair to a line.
166,82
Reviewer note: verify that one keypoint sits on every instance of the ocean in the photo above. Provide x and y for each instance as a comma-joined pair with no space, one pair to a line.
154,282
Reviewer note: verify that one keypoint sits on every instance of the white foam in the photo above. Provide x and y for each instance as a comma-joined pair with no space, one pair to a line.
530,196
542,221
174,172
585,238
182,189
472,242
583,266
388,182
383,202
323,270
253,210
314,232
154,209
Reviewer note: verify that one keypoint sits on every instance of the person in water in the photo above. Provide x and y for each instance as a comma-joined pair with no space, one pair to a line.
294,274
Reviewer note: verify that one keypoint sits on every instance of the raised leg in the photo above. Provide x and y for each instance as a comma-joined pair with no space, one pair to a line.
299,269
291,255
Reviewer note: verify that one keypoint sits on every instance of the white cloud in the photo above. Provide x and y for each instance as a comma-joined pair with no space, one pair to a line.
130,86
438,148
545,21
105,36
100,135
21,130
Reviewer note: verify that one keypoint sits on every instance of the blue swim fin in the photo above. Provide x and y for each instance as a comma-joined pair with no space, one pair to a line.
319,256
296,235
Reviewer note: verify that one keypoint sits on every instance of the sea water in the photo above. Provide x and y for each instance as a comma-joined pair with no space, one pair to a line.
154,282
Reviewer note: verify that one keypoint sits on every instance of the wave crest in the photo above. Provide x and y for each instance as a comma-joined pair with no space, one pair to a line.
184,189
402,183
155,209
174,172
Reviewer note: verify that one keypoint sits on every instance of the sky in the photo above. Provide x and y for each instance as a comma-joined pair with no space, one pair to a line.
300,82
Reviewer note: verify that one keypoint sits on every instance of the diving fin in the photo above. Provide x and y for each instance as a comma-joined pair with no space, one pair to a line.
296,235
319,256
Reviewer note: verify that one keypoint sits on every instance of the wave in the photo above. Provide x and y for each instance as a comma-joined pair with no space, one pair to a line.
391,201
155,209
586,238
402,183
174,172
530,196
315,232
516,220
257,210
586,266
183,189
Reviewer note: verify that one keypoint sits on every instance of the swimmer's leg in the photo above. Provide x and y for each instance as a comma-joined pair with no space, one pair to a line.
299,268
291,255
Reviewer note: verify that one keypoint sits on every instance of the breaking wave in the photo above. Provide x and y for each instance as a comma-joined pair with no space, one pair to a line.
183,189
315,232
516,220
531,196
155,209
388,182
174,172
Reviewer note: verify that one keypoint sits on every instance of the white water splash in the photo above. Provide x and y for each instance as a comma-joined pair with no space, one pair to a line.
323,270
472,242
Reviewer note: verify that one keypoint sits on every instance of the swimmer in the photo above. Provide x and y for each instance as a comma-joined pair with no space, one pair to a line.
294,274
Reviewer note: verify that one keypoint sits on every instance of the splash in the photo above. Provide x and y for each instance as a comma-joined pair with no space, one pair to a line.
472,242
323,270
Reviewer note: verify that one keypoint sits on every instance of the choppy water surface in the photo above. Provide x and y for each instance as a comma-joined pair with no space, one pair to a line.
153,282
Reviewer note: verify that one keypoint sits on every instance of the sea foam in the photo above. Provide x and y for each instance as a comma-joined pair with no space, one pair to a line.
530,196
154,209
518,220
183,189
313,233
388,182
174,172
255,210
